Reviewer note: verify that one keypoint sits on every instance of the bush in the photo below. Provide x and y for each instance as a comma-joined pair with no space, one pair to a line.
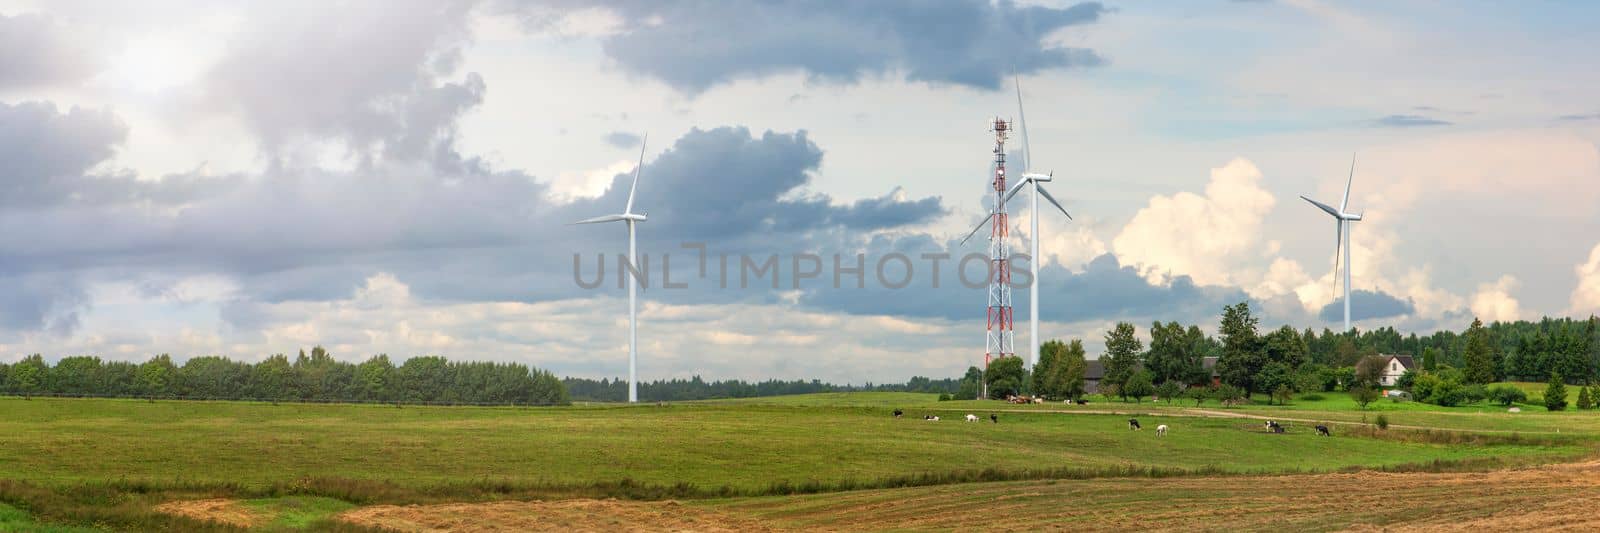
1363,395
1312,397
1448,394
1405,380
1228,394
1505,395
1382,422
1473,393
944,397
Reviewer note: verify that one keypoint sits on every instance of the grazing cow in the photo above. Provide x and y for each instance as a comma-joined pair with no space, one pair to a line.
898,413
1083,402
1161,430
1133,424
993,418
972,417
1323,431
1038,400
1274,427
932,418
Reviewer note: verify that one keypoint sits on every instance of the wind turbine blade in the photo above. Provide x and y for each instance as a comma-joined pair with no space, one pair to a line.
1053,202
976,228
1322,206
1013,191
1022,123
1338,248
1344,204
635,186
597,220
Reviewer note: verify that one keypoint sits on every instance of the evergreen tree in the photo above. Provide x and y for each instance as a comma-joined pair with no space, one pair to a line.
1051,354
1555,394
1479,355
1585,400
1069,374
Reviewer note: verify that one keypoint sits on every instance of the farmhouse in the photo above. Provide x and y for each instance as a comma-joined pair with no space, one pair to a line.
1095,371
1393,367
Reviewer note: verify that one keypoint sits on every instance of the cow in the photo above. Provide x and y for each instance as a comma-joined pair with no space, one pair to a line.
1133,424
1323,431
1038,399
1274,427
972,417
1083,402
993,418
1161,430
898,413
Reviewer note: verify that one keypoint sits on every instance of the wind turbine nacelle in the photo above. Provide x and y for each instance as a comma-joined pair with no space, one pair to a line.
636,217
1041,178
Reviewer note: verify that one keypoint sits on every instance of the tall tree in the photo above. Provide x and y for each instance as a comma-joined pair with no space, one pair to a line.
1068,379
1242,355
156,375
1176,354
1122,354
1286,346
1006,376
1479,355
1051,355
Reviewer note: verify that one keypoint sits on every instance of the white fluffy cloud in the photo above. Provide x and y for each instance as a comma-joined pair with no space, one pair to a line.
1202,237
1494,302
1586,297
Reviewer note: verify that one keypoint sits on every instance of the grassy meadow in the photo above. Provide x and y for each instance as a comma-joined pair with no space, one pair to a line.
300,463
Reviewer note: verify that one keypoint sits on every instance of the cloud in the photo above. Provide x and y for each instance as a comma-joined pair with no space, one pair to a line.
47,154
622,139
1407,121
1366,305
1494,302
693,45
1586,297
1202,237
302,72
38,51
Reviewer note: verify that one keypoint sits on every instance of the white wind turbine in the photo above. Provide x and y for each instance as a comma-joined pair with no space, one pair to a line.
1342,218
1034,180
630,218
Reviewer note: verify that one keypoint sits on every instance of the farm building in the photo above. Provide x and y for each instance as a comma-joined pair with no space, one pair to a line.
1394,366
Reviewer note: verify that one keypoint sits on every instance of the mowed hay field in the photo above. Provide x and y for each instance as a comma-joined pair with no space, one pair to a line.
63,462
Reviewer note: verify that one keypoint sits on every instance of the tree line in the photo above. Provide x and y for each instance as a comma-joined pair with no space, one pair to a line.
314,377
695,388
1286,361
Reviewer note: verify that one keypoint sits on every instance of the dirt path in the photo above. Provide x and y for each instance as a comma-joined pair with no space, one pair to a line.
1188,412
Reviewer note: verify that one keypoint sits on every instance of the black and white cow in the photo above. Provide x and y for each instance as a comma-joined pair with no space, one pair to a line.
1133,424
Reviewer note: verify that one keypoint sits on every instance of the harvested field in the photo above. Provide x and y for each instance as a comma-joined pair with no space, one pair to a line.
1550,497
567,515
230,512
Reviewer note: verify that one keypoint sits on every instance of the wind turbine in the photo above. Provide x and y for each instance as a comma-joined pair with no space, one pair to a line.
1033,180
630,218
1343,218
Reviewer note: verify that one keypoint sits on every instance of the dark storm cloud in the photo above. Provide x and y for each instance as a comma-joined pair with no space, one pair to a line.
1366,305
693,45
47,302
37,51
622,139
1407,121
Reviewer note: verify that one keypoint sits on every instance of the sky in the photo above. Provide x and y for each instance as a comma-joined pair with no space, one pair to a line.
250,178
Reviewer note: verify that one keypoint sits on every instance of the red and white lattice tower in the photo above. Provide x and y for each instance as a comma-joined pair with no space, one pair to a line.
998,341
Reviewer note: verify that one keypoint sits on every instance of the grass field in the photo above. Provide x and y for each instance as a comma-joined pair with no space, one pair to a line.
294,466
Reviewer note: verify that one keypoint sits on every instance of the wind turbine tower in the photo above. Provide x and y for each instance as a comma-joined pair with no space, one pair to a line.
630,218
1342,218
